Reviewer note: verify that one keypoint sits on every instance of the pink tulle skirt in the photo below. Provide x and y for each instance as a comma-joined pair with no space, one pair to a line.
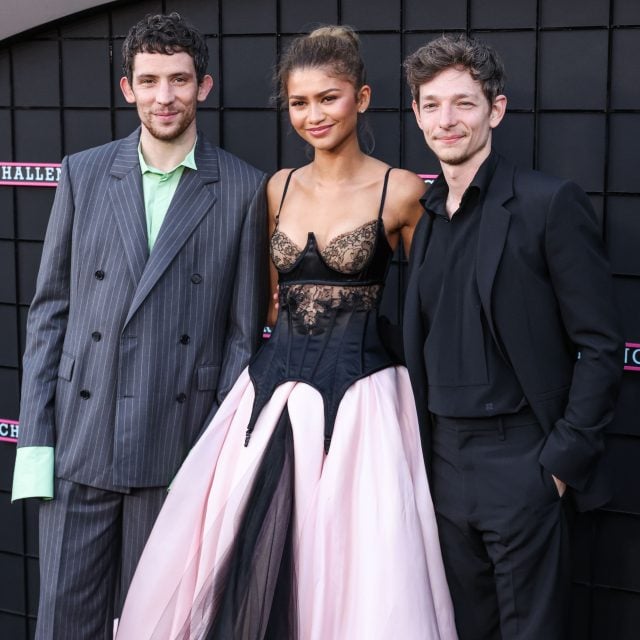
364,539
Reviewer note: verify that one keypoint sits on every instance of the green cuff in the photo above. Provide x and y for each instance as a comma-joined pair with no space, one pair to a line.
33,473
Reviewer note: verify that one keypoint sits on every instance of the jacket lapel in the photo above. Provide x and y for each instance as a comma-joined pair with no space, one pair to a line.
492,235
193,198
127,199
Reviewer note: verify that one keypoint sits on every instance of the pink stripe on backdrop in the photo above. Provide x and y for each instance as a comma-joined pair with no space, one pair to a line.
30,183
3,422
631,345
32,164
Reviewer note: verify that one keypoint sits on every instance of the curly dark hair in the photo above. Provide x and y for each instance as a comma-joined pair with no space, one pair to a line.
166,34
458,51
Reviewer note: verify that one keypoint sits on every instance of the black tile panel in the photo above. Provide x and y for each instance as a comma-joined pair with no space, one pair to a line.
202,15
615,564
573,69
11,531
625,69
422,15
625,419
381,53
209,124
251,135
624,137
126,120
8,271
5,84
33,206
616,614
37,136
9,398
626,12
13,626
248,63
6,213
95,25
8,338
295,152
86,71
374,14
514,139
125,15
12,584
417,156
302,17
29,254
572,145
518,51
36,77
623,234
7,460
574,13
621,465
494,14
85,129
6,138
248,16
385,136
627,295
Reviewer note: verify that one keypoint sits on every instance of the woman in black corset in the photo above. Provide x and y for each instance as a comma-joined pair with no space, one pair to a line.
304,510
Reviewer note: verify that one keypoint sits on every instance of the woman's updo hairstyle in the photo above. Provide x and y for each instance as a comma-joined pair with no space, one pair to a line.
336,48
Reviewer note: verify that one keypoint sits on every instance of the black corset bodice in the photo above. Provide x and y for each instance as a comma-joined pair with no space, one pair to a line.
326,334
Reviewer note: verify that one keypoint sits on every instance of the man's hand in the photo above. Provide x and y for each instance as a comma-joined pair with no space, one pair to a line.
560,486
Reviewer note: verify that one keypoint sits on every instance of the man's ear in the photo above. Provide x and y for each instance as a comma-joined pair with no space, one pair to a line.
204,87
416,112
127,91
498,109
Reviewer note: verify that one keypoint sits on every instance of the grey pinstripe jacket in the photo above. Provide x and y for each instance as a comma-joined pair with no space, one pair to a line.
129,354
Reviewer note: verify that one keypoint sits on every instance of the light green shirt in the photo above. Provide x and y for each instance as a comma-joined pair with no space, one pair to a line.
159,188
34,471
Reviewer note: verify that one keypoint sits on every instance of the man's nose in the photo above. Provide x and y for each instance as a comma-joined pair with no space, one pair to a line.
447,116
164,94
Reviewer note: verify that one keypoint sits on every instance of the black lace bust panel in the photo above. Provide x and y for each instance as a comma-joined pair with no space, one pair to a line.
347,254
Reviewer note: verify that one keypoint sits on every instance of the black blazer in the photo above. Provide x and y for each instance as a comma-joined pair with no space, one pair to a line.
546,291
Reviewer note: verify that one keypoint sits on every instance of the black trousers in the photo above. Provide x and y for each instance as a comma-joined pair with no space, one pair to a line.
502,527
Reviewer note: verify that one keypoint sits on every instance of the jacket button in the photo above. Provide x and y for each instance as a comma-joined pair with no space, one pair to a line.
85,395
96,336
185,339
99,274
196,278
181,397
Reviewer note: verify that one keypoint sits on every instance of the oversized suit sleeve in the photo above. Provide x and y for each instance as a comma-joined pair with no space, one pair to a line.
247,312
582,282
47,324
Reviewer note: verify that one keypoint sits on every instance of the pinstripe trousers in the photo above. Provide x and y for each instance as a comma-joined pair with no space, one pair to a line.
90,543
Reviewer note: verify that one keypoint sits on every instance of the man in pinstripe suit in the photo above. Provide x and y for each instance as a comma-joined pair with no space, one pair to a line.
148,304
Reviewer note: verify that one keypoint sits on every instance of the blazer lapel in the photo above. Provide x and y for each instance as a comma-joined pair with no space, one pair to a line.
127,201
192,200
492,235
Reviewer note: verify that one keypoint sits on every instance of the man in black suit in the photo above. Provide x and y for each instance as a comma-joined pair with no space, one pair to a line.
513,349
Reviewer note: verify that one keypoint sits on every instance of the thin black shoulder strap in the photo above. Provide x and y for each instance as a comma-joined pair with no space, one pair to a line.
284,193
384,192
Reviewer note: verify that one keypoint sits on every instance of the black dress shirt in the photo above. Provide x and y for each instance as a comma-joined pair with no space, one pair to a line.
468,373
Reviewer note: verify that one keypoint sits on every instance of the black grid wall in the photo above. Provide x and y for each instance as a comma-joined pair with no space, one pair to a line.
574,111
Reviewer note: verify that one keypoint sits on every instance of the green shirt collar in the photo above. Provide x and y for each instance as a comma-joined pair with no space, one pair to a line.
189,162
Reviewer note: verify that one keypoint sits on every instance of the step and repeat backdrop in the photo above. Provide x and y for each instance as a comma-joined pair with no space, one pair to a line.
574,111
